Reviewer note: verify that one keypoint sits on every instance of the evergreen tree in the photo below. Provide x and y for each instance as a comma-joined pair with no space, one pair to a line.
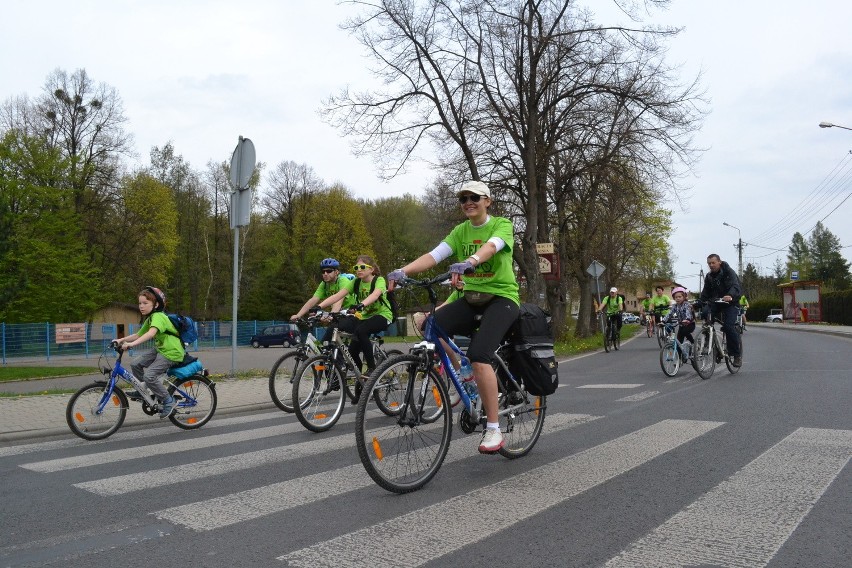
828,264
799,257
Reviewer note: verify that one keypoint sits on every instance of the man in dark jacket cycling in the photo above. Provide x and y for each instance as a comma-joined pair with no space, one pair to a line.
724,284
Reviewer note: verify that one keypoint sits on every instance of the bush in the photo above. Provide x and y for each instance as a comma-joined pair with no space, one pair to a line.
758,310
837,307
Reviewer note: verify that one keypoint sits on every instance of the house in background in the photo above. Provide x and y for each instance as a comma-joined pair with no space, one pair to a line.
113,321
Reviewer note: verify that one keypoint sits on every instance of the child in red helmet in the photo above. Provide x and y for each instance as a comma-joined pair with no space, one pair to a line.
151,366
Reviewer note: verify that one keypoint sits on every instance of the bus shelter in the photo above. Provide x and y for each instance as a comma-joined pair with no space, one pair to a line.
802,301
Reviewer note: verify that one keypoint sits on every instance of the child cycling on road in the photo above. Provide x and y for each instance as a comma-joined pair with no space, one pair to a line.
151,366
683,315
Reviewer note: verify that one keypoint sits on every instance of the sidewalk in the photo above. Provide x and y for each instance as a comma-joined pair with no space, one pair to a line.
828,329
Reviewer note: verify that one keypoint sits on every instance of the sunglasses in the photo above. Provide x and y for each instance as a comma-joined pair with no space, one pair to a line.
361,267
464,198
328,270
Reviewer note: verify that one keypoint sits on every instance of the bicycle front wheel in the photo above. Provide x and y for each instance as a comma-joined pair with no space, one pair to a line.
616,337
281,380
196,396
521,421
729,360
402,453
318,396
86,420
670,359
649,327
703,356
606,337
661,336
389,389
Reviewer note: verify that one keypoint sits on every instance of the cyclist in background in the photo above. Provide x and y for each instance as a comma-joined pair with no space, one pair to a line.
614,306
645,307
332,280
723,283
743,308
372,310
482,246
661,301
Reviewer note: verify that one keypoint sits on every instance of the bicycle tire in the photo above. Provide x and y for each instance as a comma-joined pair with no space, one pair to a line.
616,337
389,389
704,357
606,337
403,455
81,416
670,359
522,427
192,415
649,327
281,380
318,394
661,336
729,360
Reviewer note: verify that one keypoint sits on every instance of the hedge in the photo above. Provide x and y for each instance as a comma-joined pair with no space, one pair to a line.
837,307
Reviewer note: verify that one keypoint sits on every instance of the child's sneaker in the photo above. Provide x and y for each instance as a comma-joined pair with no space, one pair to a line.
169,407
492,441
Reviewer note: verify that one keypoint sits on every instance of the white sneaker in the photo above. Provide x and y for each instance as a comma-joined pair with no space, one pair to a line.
455,398
492,441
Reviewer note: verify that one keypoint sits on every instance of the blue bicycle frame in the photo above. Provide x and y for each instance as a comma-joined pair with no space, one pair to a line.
120,372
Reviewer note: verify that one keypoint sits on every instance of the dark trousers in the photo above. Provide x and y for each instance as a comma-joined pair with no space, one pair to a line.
498,315
361,331
728,315
685,332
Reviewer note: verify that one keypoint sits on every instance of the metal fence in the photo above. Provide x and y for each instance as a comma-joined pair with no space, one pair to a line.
48,340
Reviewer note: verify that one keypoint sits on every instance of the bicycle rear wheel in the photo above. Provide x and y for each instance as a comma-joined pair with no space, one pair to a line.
670,359
83,417
318,396
703,357
389,389
402,453
197,401
281,380
521,421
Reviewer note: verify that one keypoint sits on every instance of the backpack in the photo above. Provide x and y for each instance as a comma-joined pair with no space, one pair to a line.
532,359
186,328
389,297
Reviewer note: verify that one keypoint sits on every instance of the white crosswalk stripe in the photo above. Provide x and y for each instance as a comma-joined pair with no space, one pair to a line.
745,520
426,534
246,505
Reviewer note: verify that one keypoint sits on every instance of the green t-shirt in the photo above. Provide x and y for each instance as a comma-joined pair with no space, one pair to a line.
380,307
456,294
327,290
646,304
661,302
613,305
495,275
166,341
743,301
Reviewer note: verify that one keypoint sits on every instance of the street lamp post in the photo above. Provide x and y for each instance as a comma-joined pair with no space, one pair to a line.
824,124
739,246
700,274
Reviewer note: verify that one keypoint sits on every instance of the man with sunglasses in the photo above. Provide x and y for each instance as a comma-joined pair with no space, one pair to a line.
332,280
482,247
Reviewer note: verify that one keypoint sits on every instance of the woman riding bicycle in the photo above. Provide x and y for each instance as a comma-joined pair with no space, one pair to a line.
482,245
373,311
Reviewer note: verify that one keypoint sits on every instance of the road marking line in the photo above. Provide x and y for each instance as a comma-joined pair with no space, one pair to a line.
421,536
612,386
745,520
172,447
253,503
638,396
128,435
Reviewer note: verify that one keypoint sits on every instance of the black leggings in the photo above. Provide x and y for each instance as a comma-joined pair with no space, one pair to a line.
685,332
498,315
361,331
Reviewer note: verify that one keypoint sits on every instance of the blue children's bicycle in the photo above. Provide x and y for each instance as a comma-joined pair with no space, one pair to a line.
402,452
98,410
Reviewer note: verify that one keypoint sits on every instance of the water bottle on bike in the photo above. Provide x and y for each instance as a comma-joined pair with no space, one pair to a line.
467,378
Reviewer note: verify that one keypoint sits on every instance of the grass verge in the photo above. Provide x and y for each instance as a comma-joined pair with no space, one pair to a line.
27,373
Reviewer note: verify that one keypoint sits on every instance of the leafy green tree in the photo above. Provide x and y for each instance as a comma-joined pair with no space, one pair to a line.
828,264
799,257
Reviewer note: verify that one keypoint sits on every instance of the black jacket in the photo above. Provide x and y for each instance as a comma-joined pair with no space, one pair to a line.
722,283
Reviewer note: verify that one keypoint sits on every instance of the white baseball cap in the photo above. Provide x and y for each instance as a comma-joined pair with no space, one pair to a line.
613,289
475,187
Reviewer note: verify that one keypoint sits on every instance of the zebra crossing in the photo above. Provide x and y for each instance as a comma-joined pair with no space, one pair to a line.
742,521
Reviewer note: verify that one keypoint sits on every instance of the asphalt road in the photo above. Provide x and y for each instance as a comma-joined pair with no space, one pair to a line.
634,469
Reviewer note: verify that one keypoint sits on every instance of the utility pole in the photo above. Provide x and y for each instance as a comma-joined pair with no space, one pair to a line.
739,247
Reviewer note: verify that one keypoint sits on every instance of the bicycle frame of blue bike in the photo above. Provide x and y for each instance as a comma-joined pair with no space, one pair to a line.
433,334
119,371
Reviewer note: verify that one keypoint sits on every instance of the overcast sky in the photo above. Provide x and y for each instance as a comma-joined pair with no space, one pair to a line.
199,73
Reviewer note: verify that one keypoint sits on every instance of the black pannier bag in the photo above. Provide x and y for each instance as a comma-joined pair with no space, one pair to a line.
532,359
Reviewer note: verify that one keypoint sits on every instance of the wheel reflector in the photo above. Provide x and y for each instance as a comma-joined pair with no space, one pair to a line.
79,417
377,448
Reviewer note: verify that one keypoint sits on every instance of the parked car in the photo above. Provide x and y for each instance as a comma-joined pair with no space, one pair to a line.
775,316
286,334
629,318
